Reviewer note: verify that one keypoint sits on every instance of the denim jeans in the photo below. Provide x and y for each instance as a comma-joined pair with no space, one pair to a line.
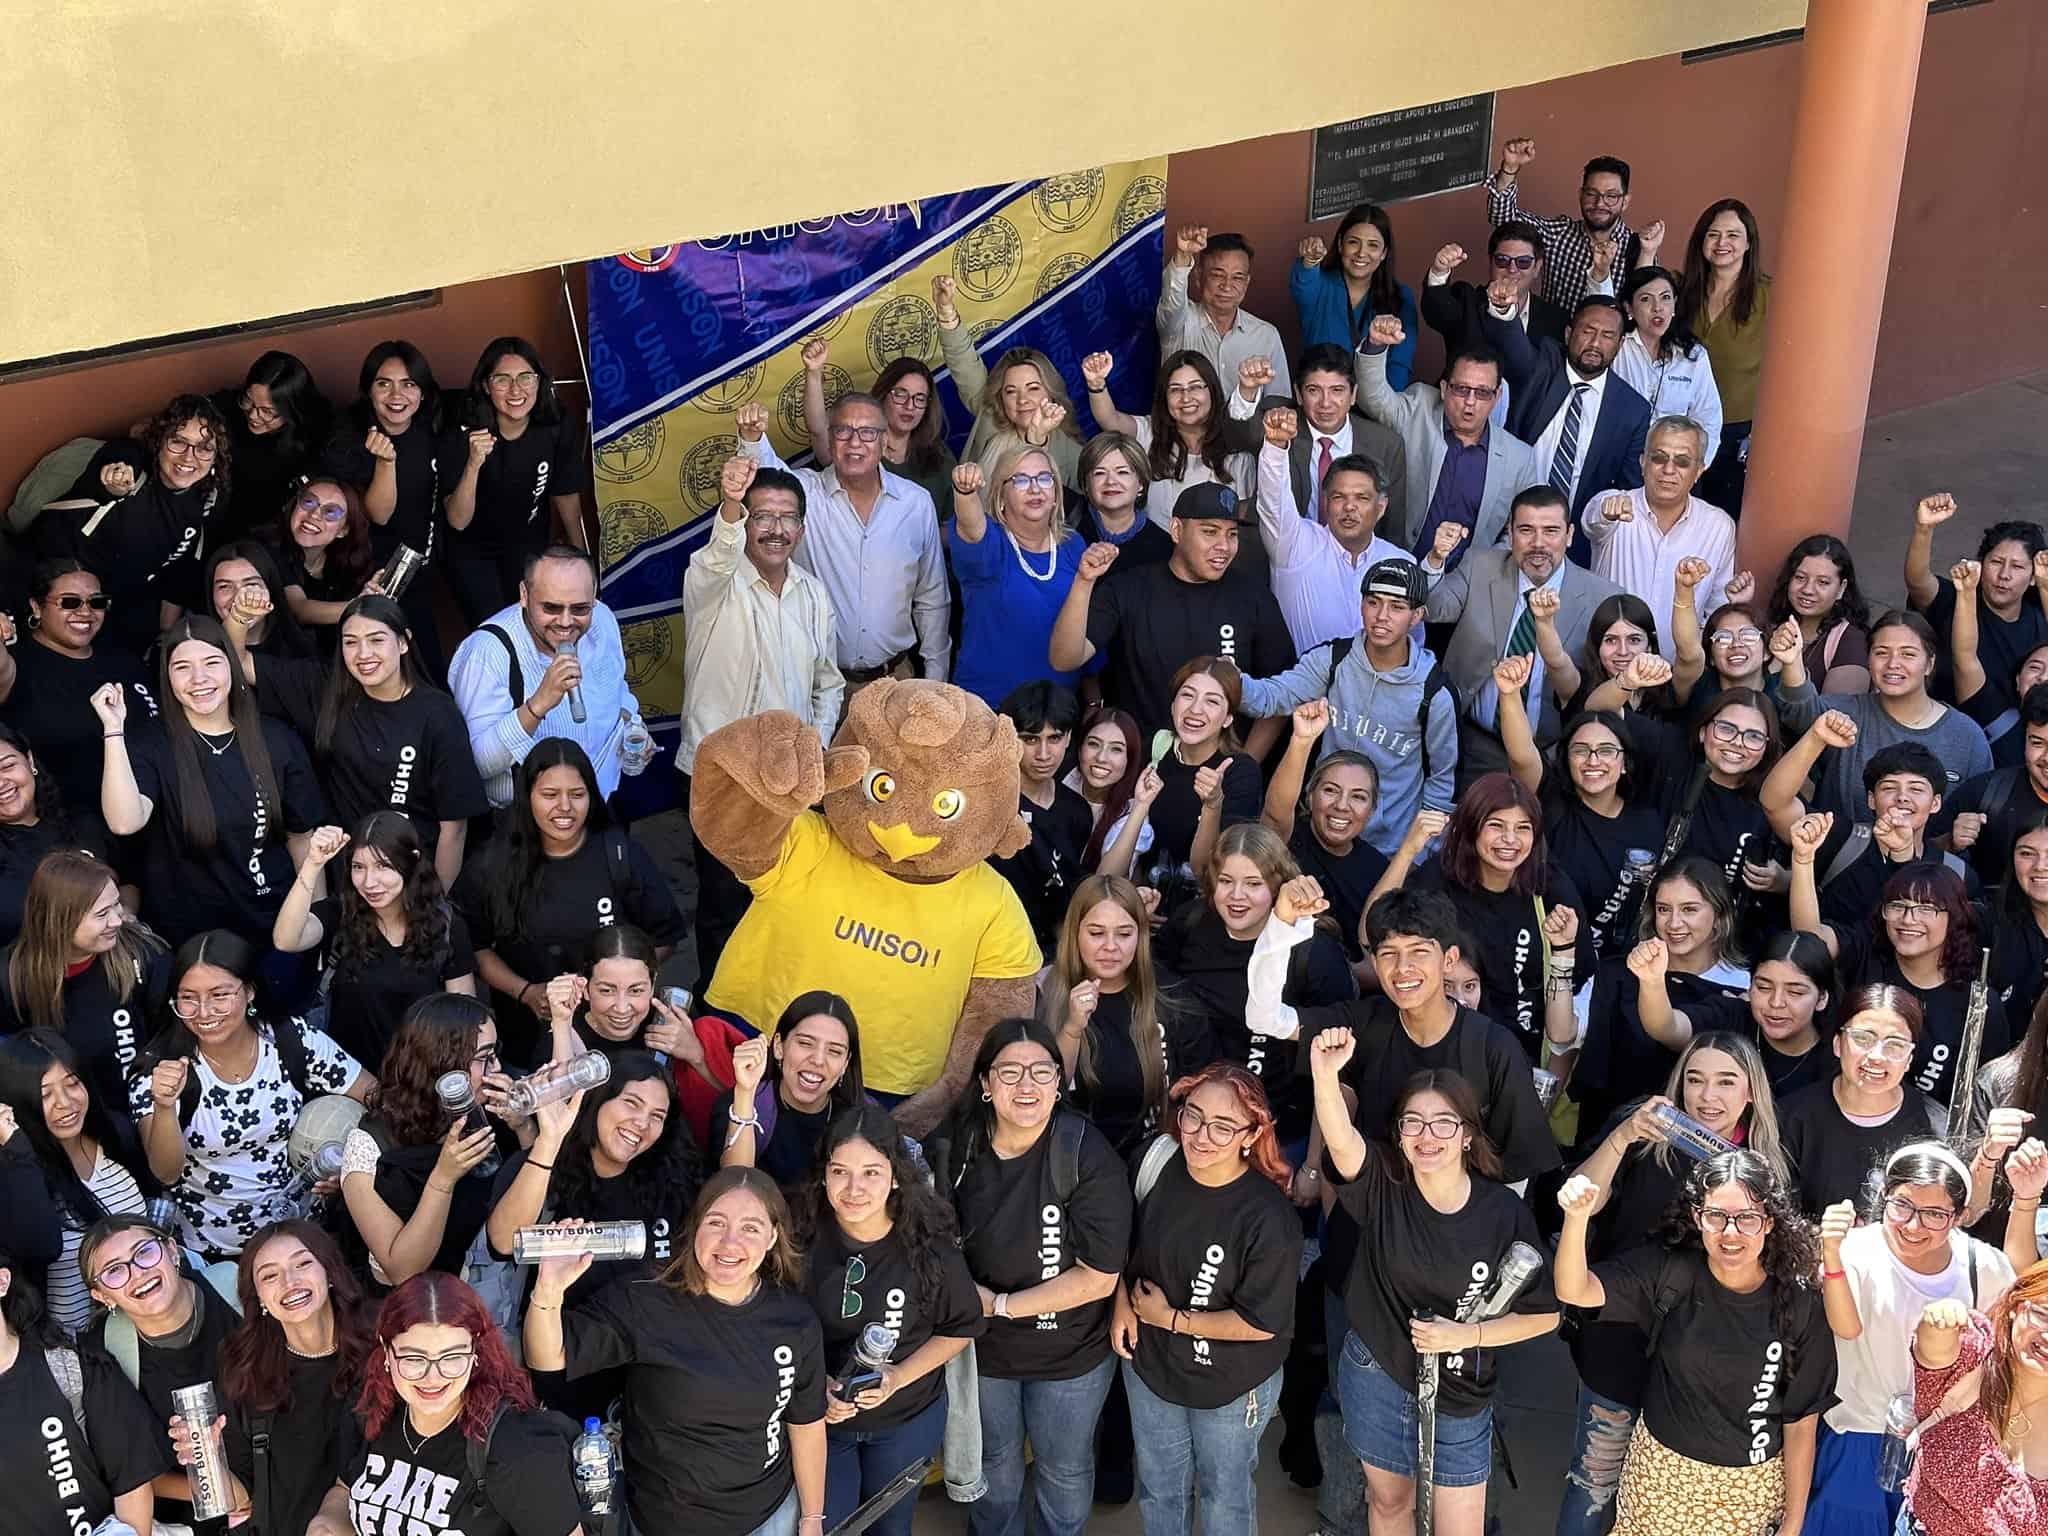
1211,1450
1058,1418
859,1463
1599,1447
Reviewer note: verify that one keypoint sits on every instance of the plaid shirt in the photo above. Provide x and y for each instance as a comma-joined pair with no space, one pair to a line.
1567,247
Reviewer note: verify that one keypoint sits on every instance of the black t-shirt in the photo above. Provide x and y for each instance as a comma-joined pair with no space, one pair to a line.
512,512
2018,804
52,706
403,1169
428,467
1046,870
1786,1073
290,689
1853,895
1016,1233
144,548
1177,811
1610,1355
792,1149
528,1488
2002,644
609,1200
1482,1052
1619,1061
887,1291
1506,927
1146,544
1413,1258
23,848
1347,879
411,755
1831,1159
1116,1101
1934,1059
1723,1385
306,1438
1728,829
1592,852
106,1032
2019,965
62,1479
367,1002
709,1390
239,883
265,464
1234,1248
1149,622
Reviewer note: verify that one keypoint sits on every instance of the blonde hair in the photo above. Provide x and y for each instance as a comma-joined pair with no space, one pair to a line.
1760,1125
63,890
1015,451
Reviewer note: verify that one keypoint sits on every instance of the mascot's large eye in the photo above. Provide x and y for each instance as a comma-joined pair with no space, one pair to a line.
879,785
948,803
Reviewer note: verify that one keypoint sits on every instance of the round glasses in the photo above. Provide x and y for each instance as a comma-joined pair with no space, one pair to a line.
1442,1127
1901,1212
504,381
449,1367
1871,1043
221,1000
1728,734
333,511
1197,1126
148,1254
1011,1073
1748,1223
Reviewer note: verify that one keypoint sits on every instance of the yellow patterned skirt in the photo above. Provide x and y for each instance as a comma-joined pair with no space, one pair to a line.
1666,1494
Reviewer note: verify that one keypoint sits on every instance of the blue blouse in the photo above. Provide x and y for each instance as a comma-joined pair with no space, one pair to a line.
1007,611
1324,306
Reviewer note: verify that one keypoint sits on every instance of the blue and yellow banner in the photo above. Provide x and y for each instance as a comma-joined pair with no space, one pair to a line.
682,336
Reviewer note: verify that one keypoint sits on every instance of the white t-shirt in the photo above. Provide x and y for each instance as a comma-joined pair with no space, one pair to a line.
66,1294
1877,1365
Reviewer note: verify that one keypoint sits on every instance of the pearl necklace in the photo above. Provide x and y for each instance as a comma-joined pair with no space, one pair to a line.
1052,559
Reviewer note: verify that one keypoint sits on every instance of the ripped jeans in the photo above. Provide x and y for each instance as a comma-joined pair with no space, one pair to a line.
1598,1449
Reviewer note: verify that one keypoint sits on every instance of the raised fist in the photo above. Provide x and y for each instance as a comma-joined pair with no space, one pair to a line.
1808,833
1095,370
815,352
1741,587
1312,251
1787,642
119,479
1386,331
110,702
1331,1052
1561,927
1648,962
1517,153
736,478
1448,259
1964,831
480,445
1652,236
1189,241
1511,674
1096,560
751,421
1688,573
324,844
1836,1223
1427,826
1646,671
378,446
1501,293
1448,537
1544,604
1311,719
1934,510
967,479
1253,375
1964,574
1300,897
1835,729
1280,427
1578,1196
1619,507
942,301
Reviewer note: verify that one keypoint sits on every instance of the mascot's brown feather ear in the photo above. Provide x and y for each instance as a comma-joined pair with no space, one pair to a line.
1015,839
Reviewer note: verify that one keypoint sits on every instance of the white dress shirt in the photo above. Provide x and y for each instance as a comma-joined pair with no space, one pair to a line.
1160,495
480,679
1676,386
886,576
1315,579
1186,327
1589,413
1639,557
748,648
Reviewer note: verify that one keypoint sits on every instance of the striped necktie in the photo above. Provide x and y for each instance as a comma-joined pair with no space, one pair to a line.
1522,639
1567,459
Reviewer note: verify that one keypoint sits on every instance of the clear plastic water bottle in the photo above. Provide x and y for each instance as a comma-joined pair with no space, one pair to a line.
636,747
458,1098
599,1239
557,1080
595,1471
1895,1451
326,1162
199,1405
113,1525
1638,866
1688,1135
871,1351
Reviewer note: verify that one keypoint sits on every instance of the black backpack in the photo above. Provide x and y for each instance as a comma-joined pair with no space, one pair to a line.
288,1035
1432,685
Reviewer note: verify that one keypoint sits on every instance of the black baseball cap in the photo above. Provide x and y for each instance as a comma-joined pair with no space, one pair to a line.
1216,503
1399,579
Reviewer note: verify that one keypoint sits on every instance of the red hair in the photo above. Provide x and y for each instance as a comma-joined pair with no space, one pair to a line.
1264,1151
1995,1398
440,1299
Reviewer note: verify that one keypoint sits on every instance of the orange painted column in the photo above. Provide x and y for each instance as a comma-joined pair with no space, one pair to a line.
1860,62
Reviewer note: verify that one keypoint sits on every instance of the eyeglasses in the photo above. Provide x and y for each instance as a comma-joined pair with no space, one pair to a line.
487,1057
775,519
1471,391
573,610
1748,634
1196,388
856,434
1870,1042
1728,734
1197,1126
147,1255
71,602
849,1298
1596,752
1748,1223
1504,263
1044,480
1900,1212
333,511
2033,1313
1904,911
1604,199
505,381
905,398
1665,460
185,448
449,1367
1011,1073
394,386
257,412
1442,1127
219,1000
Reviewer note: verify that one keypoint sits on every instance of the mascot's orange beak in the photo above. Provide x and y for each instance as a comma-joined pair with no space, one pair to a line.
900,843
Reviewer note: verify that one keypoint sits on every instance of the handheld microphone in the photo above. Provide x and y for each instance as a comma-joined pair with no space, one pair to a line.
576,693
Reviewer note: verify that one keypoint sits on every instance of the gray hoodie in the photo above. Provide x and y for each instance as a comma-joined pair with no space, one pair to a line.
1378,714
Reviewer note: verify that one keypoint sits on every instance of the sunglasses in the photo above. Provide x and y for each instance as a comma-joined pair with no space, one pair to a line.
849,1299
71,602
1503,262
333,511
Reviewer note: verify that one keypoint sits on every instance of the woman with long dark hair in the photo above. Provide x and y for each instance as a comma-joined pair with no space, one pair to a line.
723,1358
1726,299
277,422
1185,436
525,470
1817,586
1208,782
446,1408
246,593
1435,1224
80,968
224,1087
1621,648
1836,1132
410,1173
290,1371
139,514
1043,1206
323,542
390,938
787,1086
1661,359
69,1157
1719,1081
388,739
556,873
883,1247
1339,288
1205,1313
1741,1360
1111,773
226,792
47,684
1792,988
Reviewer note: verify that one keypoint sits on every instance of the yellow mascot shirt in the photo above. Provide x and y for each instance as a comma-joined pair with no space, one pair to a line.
902,954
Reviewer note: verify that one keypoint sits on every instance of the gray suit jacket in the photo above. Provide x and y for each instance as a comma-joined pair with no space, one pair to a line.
1378,443
1480,598
1417,414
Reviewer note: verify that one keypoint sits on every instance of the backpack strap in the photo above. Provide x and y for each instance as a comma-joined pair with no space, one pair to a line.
515,679
1973,1274
1432,685
477,1454
1854,846
1159,1152
1669,1294
123,1344
616,865
1339,649
1067,1131
290,1038
224,1280
1998,793
263,1479
70,1379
